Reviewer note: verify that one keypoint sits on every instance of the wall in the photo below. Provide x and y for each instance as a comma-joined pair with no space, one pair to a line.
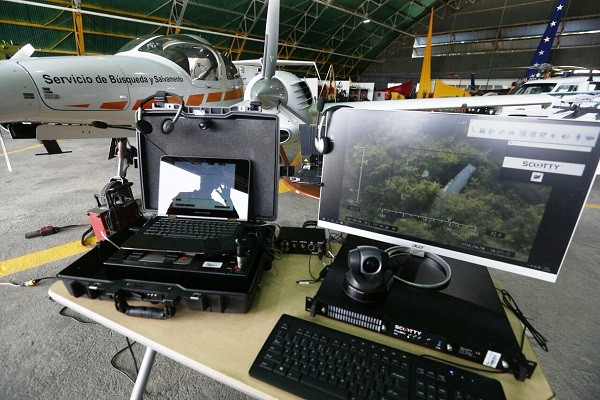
503,59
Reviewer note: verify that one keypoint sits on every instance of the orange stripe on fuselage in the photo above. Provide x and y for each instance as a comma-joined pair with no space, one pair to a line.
79,105
147,106
195,99
233,94
215,96
114,105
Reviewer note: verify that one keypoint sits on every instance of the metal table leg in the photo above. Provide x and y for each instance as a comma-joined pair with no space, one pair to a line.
142,378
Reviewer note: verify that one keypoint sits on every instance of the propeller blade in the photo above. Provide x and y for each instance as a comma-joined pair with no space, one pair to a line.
269,58
23,53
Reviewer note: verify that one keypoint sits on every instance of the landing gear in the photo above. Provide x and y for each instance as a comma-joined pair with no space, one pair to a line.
125,154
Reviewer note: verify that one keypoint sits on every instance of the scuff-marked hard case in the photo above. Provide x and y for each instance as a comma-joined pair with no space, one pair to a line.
201,132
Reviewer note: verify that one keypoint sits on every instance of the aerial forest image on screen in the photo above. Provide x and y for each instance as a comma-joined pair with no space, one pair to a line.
439,186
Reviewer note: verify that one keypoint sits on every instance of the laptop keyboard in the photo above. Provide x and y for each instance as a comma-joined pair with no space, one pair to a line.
191,228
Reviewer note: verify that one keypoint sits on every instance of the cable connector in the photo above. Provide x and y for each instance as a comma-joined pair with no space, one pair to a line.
31,282
45,231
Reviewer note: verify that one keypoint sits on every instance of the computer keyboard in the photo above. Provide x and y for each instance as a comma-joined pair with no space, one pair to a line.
191,228
317,362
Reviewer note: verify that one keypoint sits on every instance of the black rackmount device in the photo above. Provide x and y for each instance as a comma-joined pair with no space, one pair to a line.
466,319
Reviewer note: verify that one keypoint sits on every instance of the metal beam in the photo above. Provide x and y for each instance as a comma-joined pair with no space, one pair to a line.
165,25
78,27
304,25
363,16
176,15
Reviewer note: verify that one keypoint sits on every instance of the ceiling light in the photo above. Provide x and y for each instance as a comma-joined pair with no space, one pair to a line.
366,21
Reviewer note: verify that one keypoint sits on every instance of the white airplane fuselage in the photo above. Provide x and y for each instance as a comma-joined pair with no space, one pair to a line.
86,89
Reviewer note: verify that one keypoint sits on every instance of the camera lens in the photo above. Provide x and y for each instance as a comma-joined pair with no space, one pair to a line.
371,265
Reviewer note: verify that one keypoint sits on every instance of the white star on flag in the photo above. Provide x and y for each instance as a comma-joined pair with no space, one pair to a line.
553,23
546,39
560,7
541,52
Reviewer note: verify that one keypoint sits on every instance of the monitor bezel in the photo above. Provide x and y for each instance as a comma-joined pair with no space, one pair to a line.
443,251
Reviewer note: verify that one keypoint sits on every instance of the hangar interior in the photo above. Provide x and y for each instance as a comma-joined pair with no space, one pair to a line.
47,355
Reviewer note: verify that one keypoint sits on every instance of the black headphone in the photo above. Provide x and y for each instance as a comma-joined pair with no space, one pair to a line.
429,259
324,144
168,124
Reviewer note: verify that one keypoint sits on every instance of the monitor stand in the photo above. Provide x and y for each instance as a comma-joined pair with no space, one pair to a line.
466,319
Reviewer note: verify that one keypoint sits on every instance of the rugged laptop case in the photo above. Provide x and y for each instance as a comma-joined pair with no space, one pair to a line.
200,132
88,276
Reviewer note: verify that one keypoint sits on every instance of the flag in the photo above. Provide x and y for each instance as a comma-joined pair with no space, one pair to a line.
543,50
404,89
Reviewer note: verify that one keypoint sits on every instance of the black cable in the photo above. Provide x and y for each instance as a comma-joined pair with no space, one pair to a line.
83,236
135,363
62,313
51,230
509,302
314,279
116,367
309,269
522,339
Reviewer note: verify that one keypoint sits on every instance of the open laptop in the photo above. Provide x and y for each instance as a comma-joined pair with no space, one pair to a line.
202,205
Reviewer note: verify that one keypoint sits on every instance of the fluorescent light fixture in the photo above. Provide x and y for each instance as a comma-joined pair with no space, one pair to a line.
366,21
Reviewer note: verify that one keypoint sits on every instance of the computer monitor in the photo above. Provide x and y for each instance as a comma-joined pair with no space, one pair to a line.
502,192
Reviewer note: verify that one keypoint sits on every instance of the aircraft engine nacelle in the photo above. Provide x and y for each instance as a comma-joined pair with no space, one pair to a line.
296,110
21,99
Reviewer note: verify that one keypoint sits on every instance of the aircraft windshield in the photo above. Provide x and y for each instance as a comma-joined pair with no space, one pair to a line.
536,88
194,56
134,43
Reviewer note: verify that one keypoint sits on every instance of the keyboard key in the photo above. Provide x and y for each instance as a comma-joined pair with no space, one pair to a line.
327,389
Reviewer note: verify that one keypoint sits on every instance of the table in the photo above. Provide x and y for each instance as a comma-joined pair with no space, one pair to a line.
223,346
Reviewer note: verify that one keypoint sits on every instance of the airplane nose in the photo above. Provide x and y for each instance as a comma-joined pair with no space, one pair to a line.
20,97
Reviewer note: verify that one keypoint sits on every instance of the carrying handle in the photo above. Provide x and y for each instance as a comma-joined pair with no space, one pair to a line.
141,311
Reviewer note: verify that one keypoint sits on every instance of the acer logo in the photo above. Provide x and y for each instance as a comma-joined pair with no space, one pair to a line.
418,246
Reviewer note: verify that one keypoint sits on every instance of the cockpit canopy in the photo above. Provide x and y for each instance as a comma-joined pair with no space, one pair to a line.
194,55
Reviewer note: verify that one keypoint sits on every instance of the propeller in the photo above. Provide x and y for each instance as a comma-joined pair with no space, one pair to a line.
269,90
23,53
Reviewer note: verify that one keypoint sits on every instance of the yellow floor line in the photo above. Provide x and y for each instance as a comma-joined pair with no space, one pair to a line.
283,187
592,205
23,149
42,257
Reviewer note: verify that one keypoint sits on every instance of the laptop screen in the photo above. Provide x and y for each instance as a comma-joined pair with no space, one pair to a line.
204,187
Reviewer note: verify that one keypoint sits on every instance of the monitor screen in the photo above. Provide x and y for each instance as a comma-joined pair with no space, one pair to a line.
502,192
204,187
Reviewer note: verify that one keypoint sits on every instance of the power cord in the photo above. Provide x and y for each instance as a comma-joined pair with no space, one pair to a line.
509,302
29,283
322,273
81,321
51,230
113,358
119,369
105,236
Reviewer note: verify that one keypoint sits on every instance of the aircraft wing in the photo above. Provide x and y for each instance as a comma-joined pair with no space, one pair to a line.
450,102
258,63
